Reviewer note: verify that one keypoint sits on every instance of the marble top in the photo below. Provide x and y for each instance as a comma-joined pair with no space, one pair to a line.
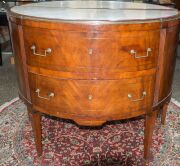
94,11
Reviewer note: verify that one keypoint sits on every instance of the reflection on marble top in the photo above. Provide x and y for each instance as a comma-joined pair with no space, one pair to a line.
94,10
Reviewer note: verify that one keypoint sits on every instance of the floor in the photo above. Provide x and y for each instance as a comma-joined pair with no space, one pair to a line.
8,81
176,82
9,87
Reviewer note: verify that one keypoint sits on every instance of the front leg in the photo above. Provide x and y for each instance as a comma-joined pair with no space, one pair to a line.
150,120
37,129
163,113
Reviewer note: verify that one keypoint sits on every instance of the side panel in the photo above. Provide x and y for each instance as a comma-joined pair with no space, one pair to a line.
166,62
20,60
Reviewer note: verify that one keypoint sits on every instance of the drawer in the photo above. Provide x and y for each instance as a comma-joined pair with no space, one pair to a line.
73,51
101,98
55,50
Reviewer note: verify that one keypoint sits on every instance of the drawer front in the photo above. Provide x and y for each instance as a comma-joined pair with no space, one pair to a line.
71,51
55,50
100,98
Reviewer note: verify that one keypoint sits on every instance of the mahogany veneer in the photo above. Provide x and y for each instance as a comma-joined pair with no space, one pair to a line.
90,72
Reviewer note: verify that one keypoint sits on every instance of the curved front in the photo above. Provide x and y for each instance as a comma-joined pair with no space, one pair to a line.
94,73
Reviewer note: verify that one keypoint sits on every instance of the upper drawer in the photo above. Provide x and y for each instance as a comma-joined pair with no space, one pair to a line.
72,51
101,98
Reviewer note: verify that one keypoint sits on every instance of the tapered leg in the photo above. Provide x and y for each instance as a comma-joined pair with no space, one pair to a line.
163,114
36,124
149,126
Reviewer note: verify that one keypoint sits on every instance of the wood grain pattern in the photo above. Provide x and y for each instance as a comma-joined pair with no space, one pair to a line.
72,51
82,97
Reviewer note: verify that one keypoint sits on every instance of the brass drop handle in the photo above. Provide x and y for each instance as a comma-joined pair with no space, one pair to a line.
134,53
46,51
46,98
142,98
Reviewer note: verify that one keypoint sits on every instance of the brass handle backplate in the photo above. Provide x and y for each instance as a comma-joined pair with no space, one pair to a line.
130,96
50,95
134,53
46,51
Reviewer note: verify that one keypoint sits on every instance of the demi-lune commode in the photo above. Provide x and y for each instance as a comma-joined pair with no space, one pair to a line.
94,61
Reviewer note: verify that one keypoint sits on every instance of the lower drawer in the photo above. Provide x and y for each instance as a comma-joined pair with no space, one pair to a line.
106,99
